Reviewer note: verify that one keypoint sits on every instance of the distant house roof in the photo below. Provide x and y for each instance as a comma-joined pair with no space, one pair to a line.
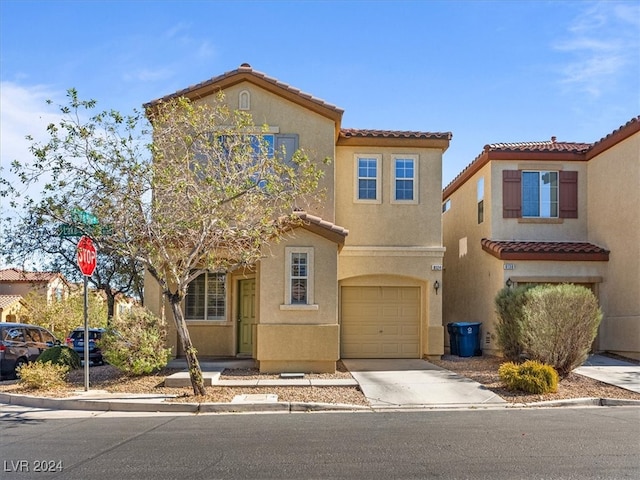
13,275
563,251
359,137
9,300
246,73
538,151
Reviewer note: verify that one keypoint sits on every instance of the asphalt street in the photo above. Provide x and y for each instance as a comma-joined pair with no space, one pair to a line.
567,443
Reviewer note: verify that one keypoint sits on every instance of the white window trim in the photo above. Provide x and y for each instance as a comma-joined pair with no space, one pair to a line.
310,305
213,321
356,186
541,217
415,159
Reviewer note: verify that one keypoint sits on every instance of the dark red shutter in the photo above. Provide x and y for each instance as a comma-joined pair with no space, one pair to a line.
568,194
511,194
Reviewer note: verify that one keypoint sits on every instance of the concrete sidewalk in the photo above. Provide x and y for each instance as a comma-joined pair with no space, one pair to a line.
387,384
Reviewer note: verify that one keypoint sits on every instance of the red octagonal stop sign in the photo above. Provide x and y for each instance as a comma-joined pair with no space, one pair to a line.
86,256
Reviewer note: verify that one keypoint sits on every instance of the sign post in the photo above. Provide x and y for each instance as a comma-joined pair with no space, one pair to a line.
87,259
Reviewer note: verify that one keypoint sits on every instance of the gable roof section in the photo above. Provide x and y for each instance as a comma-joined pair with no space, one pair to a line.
556,251
392,138
9,300
245,73
13,275
622,133
520,151
541,151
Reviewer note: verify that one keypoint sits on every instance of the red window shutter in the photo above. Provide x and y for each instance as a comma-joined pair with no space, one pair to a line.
568,194
511,194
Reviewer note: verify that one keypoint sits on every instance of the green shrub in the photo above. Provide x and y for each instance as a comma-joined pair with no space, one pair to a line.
559,324
530,376
61,355
136,343
43,375
509,304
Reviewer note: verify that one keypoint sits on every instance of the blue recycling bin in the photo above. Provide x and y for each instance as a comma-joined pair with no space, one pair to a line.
465,340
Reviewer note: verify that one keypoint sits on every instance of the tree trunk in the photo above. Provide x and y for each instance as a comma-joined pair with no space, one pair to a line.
195,372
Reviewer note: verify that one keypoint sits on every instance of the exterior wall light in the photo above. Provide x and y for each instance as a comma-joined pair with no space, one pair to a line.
509,282
436,286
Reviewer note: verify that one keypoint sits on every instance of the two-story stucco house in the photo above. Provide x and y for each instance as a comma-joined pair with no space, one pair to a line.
548,212
357,279
15,284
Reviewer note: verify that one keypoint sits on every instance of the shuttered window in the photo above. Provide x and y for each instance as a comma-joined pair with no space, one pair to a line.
530,187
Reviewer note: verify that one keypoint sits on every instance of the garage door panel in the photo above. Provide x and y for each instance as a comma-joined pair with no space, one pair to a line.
380,322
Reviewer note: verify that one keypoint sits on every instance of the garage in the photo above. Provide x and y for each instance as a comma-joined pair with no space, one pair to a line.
380,322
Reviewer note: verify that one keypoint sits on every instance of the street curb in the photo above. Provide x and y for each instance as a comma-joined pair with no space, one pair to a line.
107,405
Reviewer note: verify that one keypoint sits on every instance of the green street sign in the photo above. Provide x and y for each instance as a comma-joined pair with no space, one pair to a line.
86,218
66,230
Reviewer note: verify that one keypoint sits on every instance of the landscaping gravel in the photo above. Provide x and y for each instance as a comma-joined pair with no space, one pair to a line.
481,369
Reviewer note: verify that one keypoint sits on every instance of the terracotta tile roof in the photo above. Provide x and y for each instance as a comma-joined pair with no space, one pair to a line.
245,71
363,133
8,300
543,250
322,227
548,146
626,130
15,275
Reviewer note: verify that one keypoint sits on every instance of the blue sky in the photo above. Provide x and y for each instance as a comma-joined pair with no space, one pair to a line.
487,71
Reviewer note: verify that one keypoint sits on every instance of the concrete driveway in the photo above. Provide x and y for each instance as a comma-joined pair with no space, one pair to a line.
393,383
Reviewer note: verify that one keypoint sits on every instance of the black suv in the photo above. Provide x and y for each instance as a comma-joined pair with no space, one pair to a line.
21,343
75,340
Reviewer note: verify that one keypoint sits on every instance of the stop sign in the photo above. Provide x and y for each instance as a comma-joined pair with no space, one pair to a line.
86,256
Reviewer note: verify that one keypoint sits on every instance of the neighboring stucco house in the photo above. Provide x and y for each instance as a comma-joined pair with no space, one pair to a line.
15,284
548,212
356,280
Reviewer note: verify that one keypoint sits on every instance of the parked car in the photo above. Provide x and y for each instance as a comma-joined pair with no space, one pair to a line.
21,343
75,340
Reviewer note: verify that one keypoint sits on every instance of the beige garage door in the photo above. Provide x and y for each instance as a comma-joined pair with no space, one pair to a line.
380,322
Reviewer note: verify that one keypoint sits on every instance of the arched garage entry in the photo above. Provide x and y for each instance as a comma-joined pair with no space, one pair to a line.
380,321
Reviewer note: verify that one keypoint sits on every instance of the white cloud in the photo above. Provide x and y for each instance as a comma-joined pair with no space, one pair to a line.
23,111
601,43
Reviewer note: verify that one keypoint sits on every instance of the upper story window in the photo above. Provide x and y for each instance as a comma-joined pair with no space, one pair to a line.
446,206
206,297
299,278
367,179
480,199
539,194
405,183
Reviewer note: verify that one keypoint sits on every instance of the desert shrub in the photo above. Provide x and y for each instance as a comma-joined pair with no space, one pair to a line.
559,324
530,376
61,355
43,375
135,343
509,304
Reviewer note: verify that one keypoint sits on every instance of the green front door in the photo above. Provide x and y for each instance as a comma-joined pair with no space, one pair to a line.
246,315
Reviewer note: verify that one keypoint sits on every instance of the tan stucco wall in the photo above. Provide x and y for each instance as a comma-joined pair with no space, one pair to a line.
387,223
298,348
316,134
614,223
567,229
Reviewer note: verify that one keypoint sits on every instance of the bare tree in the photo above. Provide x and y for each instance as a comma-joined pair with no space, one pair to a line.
204,193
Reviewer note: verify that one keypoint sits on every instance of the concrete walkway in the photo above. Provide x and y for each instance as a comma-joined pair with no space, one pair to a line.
392,383
613,371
